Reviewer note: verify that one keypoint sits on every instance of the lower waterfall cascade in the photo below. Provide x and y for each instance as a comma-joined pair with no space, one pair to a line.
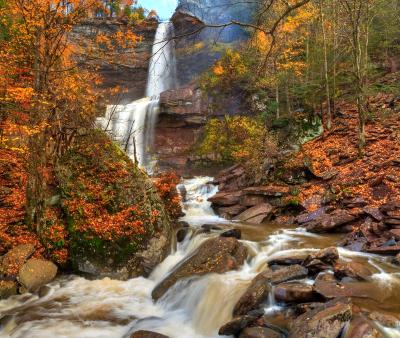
75,307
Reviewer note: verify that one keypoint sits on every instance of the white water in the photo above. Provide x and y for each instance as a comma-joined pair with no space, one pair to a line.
195,308
133,124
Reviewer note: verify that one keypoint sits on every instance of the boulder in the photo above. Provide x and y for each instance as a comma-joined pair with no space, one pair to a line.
295,293
311,216
237,324
360,327
252,200
226,198
330,222
324,322
216,255
322,260
257,214
231,212
374,213
235,233
7,288
181,234
396,260
269,190
147,334
259,332
36,273
14,259
259,288
353,270
385,250
288,260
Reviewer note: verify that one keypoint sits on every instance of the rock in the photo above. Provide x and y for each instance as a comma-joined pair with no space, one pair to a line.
255,294
321,260
330,222
385,250
44,291
324,322
385,319
361,328
181,234
374,212
353,270
394,214
259,288
209,227
231,212
269,190
288,260
257,214
14,259
304,307
7,288
311,216
390,206
147,334
216,255
235,233
36,273
396,260
252,200
226,198
295,293
237,324
357,202
259,332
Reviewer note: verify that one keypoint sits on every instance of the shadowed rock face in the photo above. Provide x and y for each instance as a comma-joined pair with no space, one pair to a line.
216,255
197,52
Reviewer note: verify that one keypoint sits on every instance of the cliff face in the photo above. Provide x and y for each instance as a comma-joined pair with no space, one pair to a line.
129,69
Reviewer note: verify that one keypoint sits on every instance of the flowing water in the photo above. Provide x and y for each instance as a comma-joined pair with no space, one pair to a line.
76,307
133,124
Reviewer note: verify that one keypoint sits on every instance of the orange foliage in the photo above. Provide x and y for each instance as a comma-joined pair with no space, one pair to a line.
166,186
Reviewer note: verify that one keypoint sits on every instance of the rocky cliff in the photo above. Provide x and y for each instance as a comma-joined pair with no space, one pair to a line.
129,68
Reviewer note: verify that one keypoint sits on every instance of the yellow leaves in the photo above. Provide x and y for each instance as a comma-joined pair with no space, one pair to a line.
261,42
218,69
20,94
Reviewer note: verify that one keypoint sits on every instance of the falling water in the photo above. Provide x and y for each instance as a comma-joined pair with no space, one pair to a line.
79,308
133,124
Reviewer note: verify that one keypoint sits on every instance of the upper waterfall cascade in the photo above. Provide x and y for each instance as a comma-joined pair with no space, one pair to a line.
133,124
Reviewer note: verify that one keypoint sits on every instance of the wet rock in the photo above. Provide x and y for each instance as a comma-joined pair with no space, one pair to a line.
395,233
295,293
44,291
353,270
288,273
209,227
304,307
7,288
226,198
259,332
324,322
385,250
237,324
231,212
322,259
181,234
257,214
259,288
255,294
385,319
396,260
289,260
14,259
36,273
360,327
147,334
235,233
216,255
269,190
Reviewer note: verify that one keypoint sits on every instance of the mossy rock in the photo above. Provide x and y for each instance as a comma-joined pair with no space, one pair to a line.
98,181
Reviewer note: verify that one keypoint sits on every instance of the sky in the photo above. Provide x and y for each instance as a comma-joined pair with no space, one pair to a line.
164,8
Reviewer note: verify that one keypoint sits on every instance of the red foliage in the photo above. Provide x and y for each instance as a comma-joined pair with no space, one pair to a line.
166,185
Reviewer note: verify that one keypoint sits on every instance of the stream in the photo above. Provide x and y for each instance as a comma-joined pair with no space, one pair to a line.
76,307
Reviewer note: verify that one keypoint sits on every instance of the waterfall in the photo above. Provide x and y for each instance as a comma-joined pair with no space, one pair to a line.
133,124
